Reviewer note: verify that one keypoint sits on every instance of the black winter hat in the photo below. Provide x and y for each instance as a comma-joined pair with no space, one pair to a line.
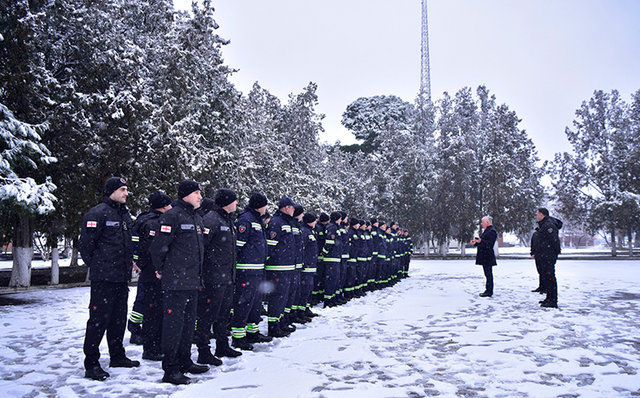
354,221
308,218
324,217
298,209
335,216
187,187
112,184
257,201
225,197
207,205
373,220
159,199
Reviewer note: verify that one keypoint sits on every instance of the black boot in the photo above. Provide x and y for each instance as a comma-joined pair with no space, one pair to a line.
135,339
176,378
96,373
309,313
206,357
195,369
258,337
123,362
152,356
276,332
241,344
223,349
549,304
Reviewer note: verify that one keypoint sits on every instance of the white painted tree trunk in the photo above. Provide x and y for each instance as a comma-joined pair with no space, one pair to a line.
463,248
55,266
443,249
21,272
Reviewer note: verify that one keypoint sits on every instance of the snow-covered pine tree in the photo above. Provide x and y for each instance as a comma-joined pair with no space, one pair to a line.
21,196
596,168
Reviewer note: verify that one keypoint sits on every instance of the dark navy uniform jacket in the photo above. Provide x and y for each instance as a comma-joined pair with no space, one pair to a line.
219,267
105,242
177,250
280,243
144,230
251,242
310,246
545,244
332,249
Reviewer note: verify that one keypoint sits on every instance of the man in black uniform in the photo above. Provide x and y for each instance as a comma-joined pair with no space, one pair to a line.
546,252
177,253
219,268
144,230
320,231
105,248
251,249
331,257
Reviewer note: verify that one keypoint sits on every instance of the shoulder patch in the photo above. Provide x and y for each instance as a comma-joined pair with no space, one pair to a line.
273,234
165,228
242,228
550,230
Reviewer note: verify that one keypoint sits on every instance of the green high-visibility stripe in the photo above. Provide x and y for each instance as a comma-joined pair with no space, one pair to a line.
250,266
331,260
135,238
309,270
280,267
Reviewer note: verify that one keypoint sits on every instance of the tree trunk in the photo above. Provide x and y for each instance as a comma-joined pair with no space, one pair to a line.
463,249
22,252
613,242
443,249
74,253
55,266
426,248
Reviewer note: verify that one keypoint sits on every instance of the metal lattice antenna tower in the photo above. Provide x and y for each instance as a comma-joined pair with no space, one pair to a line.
425,77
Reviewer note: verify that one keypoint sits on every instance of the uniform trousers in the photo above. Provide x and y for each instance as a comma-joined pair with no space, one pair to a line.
107,312
246,300
178,324
152,321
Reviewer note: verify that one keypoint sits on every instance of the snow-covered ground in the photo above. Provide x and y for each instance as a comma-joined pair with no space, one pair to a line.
430,335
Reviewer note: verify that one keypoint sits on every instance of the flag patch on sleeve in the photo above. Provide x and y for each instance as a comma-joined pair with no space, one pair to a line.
92,224
165,228
206,231
152,233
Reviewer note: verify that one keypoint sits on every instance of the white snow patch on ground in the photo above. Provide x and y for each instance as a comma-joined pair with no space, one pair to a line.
429,335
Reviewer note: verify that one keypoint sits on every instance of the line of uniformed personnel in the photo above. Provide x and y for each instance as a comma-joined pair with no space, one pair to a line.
203,274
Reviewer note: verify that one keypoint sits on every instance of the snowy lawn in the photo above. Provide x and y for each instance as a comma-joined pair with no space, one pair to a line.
430,335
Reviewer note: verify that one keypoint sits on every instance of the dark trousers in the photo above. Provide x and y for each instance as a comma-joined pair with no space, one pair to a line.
541,279
178,324
343,275
152,323
351,279
294,291
107,313
306,288
137,312
280,281
318,279
246,298
331,278
549,279
214,309
488,273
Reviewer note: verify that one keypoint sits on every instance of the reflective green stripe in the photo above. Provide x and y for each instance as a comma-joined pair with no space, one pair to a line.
362,259
240,243
345,256
330,241
381,256
273,319
331,260
299,266
250,266
135,257
310,270
279,267
135,238
352,260
272,242
256,225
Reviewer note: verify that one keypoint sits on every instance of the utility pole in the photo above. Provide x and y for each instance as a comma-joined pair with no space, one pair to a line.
425,77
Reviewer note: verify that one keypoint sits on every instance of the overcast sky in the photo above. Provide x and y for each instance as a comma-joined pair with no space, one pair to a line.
542,58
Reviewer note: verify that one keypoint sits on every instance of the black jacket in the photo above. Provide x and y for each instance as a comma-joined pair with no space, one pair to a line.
144,230
220,249
280,244
310,247
485,254
105,242
545,243
177,250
